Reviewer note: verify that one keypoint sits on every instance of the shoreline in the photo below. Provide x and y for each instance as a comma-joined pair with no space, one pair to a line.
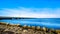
38,28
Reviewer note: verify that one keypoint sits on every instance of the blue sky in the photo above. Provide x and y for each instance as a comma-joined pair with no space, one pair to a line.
30,8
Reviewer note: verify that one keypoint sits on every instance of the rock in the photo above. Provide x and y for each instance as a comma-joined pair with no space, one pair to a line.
38,28
33,27
44,29
14,29
7,32
30,31
25,26
29,26
25,32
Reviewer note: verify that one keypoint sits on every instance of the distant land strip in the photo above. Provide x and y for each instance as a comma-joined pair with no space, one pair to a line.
3,17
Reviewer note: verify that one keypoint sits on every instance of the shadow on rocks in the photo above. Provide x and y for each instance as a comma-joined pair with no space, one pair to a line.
8,32
1,30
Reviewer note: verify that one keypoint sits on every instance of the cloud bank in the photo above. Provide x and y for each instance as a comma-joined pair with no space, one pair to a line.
31,12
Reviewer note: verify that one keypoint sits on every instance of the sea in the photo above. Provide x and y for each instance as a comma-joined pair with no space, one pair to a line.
52,23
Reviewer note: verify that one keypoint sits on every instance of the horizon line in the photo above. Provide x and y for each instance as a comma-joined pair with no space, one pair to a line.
22,17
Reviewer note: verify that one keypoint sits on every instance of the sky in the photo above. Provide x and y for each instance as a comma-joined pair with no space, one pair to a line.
30,8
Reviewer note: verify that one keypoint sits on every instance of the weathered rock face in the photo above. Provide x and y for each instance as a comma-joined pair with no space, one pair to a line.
13,29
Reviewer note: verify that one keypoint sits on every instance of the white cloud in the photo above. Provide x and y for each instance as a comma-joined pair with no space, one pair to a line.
31,12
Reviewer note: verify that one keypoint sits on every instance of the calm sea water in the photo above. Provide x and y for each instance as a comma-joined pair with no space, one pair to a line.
43,22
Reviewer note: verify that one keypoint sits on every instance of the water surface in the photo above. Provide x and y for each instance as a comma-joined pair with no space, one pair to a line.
46,22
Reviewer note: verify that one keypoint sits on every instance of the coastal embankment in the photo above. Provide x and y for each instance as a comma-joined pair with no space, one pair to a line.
18,29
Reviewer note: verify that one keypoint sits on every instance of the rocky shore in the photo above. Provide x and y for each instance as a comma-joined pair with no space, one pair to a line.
18,29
